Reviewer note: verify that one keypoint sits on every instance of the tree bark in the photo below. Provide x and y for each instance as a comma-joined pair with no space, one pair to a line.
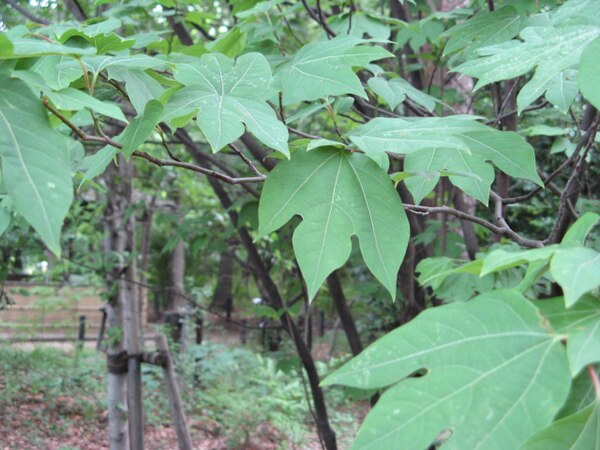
344,313
124,382
223,295
272,292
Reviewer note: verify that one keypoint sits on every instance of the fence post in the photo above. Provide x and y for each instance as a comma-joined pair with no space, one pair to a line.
177,412
102,327
81,334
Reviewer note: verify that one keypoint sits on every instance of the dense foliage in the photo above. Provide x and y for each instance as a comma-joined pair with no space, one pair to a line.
453,140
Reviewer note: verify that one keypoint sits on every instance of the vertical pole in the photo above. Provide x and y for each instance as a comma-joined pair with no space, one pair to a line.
102,328
321,323
177,412
81,334
243,337
199,328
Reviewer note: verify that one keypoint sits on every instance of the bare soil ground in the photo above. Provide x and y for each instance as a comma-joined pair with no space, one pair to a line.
29,426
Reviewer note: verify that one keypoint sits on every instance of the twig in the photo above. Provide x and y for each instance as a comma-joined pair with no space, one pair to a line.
567,191
320,18
159,162
302,133
510,113
595,381
289,26
584,141
24,12
246,160
165,144
196,168
501,230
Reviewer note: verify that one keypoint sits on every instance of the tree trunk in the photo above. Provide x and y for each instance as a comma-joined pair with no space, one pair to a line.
124,380
344,313
177,306
223,296
268,286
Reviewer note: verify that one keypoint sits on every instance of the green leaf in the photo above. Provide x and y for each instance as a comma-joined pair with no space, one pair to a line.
35,162
338,195
396,90
49,68
6,47
444,144
576,270
98,163
494,375
140,87
28,46
581,324
580,431
230,44
141,127
4,219
483,29
578,232
588,73
324,68
581,395
551,49
501,259
229,96
562,90
73,100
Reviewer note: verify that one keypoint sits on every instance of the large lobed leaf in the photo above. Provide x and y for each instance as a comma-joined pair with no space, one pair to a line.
458,144
228,96
484,29
35,162
494,375
550,49
580,431
580,323
338,194
324,68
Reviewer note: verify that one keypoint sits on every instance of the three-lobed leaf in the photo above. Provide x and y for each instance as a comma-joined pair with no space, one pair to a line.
226,97
494,375
324,68
549,49
580,431
338,195
456,144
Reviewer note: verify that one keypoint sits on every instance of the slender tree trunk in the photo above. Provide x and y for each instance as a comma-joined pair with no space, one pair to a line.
124,379
114,243
268,286
223,295
344,313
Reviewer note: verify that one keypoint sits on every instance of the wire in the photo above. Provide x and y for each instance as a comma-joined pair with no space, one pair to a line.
156,289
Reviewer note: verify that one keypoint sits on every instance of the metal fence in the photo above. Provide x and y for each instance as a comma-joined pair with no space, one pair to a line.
43,310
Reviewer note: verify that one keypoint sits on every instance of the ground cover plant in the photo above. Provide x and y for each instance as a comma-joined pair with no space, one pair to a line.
425,171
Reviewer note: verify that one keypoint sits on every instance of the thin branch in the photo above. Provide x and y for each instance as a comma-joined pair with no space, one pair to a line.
24,12
76,10
196,168
159,162
302,133
510,113
165,144
584,141
501,230
246,160
568,190
203,32
319,17
595,381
